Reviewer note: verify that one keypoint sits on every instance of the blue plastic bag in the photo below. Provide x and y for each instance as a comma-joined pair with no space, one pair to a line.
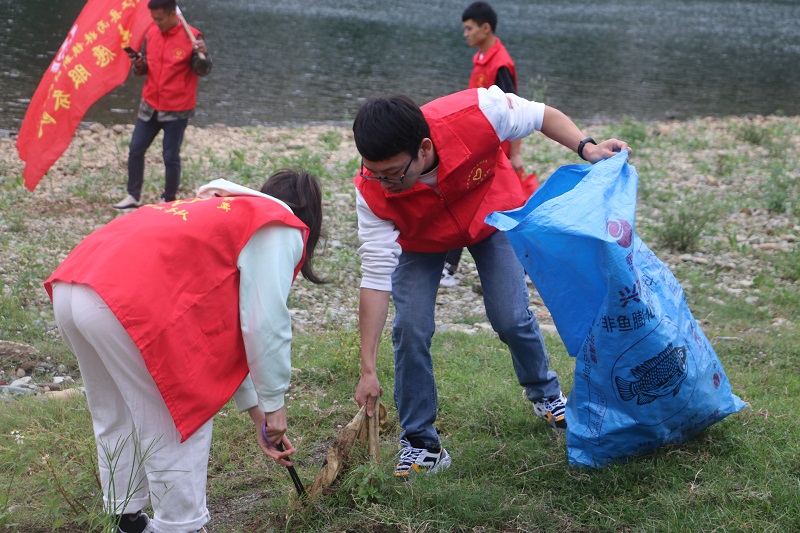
645,374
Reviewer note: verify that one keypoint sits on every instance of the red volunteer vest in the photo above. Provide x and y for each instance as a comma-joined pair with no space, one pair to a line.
484,69
484,72
475,178
171,84
168,273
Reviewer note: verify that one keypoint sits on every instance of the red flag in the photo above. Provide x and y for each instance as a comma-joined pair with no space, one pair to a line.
90,63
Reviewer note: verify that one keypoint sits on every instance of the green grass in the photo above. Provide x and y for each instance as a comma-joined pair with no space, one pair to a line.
686,221
510,472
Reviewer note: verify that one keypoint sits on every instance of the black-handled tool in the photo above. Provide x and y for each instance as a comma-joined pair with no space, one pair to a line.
301,491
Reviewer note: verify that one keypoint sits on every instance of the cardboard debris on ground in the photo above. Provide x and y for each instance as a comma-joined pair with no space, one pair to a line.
63,394
362,428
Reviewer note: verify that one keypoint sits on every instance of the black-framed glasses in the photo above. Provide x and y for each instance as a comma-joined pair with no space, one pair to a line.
383,178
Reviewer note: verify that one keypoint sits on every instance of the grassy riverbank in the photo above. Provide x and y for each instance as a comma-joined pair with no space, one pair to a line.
718,202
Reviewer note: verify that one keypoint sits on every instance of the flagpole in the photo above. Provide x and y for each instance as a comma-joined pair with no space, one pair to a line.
201,55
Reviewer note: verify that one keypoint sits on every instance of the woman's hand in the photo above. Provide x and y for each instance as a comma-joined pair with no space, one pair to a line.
271,434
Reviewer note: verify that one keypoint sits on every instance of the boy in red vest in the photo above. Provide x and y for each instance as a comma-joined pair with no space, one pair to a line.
172,64
491,65
172,310
429,177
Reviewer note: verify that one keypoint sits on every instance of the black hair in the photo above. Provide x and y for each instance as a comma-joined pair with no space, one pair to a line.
166,5
303,194
389,125
481,13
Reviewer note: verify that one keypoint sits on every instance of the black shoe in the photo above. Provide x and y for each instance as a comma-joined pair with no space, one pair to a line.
134,523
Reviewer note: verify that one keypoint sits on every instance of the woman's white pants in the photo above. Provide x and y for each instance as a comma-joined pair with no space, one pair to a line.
140,456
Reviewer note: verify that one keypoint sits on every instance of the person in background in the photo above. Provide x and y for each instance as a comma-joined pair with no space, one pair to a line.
491,65
173,309
429,177
172,64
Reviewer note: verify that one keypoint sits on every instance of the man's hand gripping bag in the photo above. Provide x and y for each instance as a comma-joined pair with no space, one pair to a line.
645,374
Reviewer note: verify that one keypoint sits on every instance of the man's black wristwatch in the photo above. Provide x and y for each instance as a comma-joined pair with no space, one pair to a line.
582,144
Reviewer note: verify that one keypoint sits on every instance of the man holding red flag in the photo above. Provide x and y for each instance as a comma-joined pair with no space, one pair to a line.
89,63
173,57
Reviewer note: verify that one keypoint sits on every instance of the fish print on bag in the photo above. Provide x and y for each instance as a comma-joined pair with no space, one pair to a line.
658,376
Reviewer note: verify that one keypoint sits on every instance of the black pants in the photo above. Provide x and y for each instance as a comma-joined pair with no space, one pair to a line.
143,135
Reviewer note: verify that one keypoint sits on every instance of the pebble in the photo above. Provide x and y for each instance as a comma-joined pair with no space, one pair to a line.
6,389
21,382
549,329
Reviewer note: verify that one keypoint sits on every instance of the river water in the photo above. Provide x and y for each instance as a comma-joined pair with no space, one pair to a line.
315,61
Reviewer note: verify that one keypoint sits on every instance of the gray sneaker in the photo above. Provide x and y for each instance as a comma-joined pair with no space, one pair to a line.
129,202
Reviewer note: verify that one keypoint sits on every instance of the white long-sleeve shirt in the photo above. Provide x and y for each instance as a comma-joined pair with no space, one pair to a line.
511,117
266,265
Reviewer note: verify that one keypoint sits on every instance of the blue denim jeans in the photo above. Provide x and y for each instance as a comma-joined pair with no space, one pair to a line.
144,133
414,285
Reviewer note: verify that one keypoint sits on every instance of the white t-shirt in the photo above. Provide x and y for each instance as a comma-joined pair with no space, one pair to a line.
511,117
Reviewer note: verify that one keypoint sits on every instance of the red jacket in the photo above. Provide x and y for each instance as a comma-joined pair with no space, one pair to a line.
475,178
484,69
176,295
171,84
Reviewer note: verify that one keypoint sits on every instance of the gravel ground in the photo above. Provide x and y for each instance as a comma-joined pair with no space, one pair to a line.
689,159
